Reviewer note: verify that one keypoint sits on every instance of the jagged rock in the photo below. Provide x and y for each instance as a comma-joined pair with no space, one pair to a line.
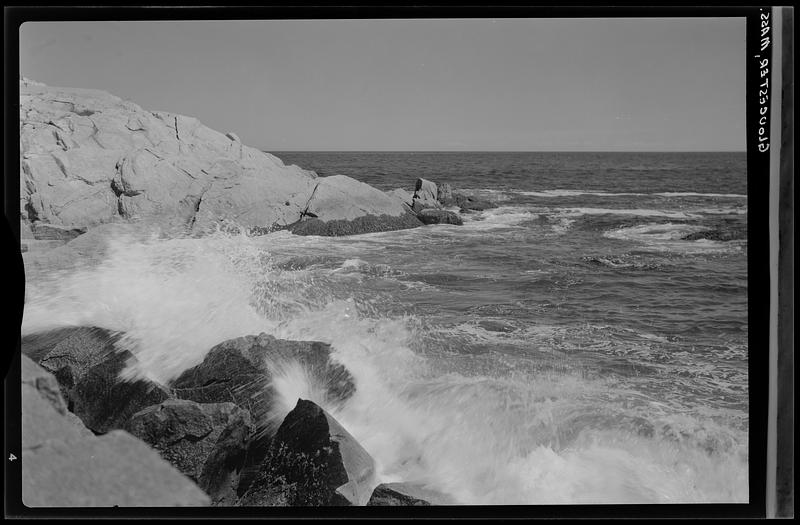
65,465
314,461
222,470
444,193
365,224
433,216
425,191
87,365
241,370
188,435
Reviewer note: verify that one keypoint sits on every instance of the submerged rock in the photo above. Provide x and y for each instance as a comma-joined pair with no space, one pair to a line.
87,365
188,435
65,465
314,461
432,216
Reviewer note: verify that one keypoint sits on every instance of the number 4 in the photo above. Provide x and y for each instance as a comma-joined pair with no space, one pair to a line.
12,457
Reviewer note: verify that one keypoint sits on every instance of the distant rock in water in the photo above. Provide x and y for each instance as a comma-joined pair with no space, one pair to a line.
313,461
425,192
88,158
365,224
434,216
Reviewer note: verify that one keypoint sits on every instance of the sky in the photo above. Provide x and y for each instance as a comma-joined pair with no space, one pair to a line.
673,84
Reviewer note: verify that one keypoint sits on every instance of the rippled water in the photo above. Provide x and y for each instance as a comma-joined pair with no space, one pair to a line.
569,346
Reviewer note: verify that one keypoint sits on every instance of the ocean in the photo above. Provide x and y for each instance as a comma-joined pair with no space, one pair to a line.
583,342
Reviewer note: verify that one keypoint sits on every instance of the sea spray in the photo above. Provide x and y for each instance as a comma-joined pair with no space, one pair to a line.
463,426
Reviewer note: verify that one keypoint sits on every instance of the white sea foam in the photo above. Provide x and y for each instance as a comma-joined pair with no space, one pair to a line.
669,237
639,212
482,439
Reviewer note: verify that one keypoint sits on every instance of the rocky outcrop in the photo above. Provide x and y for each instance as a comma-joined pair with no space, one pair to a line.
313,460
65,465
222,425
87,365
340,205
88,158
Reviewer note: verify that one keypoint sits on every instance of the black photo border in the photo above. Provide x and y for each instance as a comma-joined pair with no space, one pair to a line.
757,254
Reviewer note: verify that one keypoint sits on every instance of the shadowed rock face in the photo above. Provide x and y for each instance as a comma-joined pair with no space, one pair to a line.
65,465
206,442
87,365
312,450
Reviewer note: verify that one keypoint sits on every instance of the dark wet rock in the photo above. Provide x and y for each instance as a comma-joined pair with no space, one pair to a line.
187,434
240,371
54,232
65,465
222,470
314,461
364,224
433,216
407,494
87,365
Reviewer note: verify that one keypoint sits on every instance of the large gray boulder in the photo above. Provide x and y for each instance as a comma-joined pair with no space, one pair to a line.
314,461
340,205
89,158
65,465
